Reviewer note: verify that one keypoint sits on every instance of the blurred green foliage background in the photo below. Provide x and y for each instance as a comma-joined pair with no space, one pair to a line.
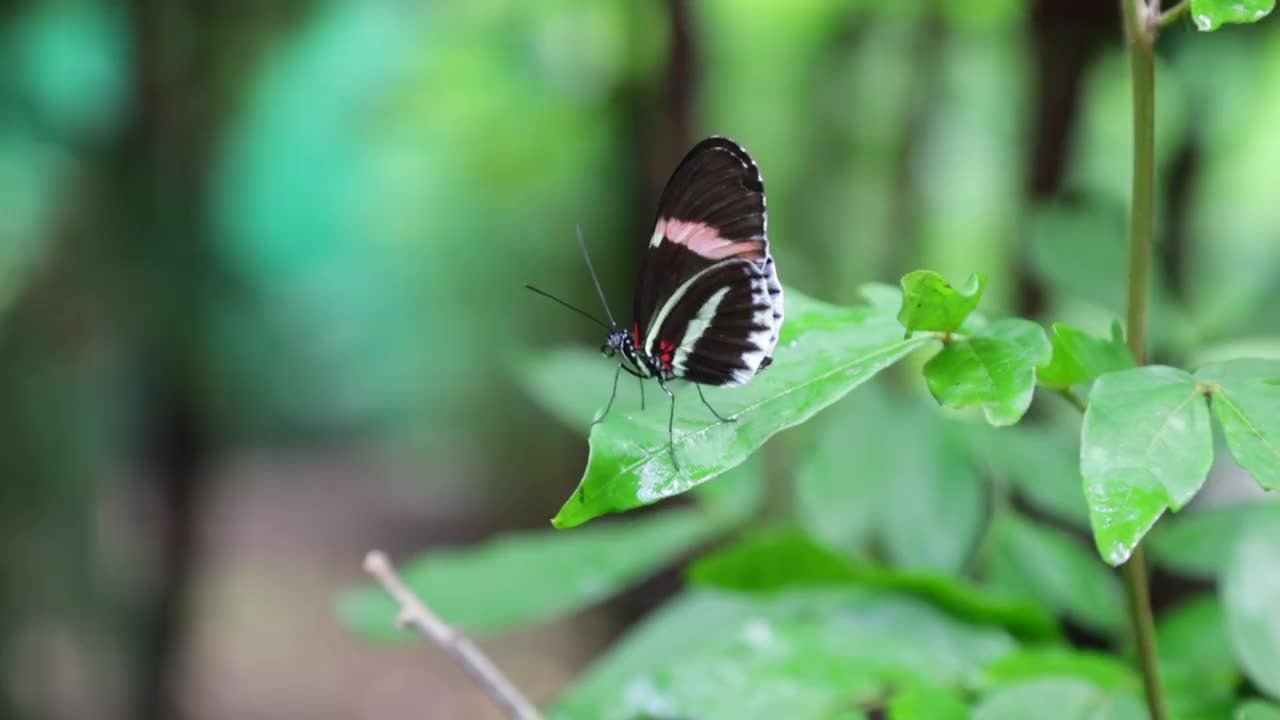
260,303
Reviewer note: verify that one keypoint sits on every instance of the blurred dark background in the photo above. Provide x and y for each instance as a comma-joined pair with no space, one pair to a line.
260,269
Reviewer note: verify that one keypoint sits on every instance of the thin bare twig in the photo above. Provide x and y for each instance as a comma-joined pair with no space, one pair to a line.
415,614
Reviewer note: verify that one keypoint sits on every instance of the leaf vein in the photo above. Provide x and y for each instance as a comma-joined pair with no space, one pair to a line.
1253,429
693,435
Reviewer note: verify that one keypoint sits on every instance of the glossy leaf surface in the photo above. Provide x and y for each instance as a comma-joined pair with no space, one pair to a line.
994,368
569,384
824,352
1145,447
1210,15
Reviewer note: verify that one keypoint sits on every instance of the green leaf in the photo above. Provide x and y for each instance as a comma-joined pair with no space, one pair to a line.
824,352
995,368
1193,636
1057,570
1258,346
926,702
568,383
841,482
776,560
1256,710
1102,671
1198,543
1251,596
685,625
934,503
1059,699
1146,446
773,560
1245,396
795,655
1043,465
1199,670
930,303
1210,15
893,471
529,577
1080,357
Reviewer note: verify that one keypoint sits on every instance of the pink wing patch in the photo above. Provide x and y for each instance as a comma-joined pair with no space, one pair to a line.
705,240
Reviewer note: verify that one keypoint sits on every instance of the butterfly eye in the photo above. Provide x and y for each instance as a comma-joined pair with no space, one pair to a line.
606,350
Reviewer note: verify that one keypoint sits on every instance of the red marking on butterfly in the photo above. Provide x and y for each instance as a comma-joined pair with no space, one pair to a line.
635,333
666,349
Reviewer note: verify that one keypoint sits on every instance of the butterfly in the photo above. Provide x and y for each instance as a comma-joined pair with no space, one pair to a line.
708,304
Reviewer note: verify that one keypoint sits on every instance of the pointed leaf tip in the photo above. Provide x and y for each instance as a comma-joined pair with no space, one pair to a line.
1145,446
824,352
1079,357
1209,15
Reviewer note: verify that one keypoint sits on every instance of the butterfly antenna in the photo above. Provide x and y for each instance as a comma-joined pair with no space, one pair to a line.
595,278
578,310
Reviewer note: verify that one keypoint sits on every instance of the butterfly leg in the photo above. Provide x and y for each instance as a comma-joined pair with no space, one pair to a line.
671,421
719,417
612,395
639,377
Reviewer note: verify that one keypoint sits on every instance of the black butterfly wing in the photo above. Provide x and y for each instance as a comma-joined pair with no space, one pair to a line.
710,243
722,328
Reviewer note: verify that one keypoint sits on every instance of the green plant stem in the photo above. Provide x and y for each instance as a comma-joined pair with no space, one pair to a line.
1141,34
1144,628
1070,396
1174,13
1142,208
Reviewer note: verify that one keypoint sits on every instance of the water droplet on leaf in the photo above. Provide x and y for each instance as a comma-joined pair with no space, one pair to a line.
1118,554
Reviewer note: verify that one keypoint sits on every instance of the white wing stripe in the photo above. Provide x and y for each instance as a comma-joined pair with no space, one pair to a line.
698,325
655,324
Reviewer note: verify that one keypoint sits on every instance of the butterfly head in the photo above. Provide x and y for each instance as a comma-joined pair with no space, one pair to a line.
619,341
